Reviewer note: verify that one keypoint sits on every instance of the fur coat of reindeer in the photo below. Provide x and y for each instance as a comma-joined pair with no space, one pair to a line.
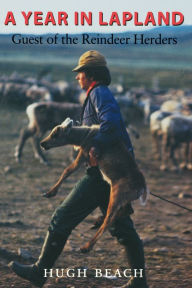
116,163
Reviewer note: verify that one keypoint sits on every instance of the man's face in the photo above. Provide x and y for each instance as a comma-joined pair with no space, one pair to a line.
84,81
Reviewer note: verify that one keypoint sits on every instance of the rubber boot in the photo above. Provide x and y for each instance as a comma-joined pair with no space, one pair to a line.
135,257
52,248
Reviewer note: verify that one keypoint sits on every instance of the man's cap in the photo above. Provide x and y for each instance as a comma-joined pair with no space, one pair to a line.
91,58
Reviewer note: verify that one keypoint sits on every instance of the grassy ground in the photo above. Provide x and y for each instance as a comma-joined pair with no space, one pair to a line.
25,215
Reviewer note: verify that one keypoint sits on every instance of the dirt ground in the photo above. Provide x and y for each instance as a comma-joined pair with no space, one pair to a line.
24,217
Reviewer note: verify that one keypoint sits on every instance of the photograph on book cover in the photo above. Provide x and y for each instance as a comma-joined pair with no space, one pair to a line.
124,67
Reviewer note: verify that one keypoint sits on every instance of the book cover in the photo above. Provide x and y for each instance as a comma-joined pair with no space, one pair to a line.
147,47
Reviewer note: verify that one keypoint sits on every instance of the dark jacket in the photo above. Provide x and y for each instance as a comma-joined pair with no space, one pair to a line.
102,108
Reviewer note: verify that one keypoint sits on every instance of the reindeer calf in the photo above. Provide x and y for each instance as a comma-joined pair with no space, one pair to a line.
117,165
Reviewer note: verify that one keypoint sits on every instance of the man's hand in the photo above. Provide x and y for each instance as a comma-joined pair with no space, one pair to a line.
93,156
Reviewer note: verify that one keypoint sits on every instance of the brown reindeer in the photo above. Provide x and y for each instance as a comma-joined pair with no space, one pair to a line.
117,165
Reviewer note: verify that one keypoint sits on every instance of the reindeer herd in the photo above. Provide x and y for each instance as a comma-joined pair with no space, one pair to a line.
170,127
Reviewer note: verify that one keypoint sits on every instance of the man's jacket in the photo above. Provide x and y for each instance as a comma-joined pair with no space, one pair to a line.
101,108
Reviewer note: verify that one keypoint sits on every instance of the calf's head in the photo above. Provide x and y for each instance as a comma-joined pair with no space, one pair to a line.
59,136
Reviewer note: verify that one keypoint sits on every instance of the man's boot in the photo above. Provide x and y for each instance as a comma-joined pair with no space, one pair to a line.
135,256
52,248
